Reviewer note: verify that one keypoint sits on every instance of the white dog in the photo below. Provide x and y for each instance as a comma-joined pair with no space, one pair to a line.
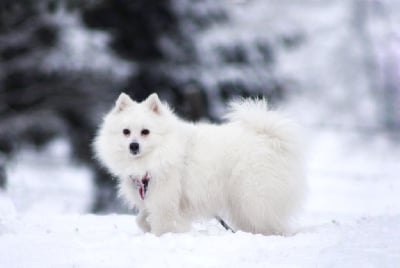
247,171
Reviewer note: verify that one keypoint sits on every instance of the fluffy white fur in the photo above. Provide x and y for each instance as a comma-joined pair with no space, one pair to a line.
247,171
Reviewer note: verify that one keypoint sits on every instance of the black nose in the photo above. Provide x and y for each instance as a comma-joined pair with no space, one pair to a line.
134,147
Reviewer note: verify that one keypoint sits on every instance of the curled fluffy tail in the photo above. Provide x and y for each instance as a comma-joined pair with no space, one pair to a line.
254,114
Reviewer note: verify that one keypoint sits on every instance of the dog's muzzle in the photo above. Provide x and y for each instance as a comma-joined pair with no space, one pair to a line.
141,184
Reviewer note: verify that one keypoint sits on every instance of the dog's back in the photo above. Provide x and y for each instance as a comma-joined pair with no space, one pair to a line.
248,169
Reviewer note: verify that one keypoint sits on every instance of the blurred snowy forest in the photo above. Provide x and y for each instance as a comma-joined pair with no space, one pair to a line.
331,64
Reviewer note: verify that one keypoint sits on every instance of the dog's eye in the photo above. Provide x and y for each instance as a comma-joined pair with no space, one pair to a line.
126,132
145,132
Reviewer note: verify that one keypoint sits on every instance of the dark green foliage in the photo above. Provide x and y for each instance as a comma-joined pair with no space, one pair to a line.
136,26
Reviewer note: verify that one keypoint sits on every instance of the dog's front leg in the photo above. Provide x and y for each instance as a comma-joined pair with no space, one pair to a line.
141,220
164,210
167,220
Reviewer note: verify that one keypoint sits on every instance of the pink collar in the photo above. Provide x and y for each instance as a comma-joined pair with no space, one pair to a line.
141,184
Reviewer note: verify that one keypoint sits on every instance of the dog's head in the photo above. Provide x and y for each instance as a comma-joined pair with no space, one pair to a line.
131,131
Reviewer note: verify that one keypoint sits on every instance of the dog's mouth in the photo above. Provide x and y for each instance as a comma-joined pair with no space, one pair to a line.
141,184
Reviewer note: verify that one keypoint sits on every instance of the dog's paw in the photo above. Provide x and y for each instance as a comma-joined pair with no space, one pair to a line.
159,228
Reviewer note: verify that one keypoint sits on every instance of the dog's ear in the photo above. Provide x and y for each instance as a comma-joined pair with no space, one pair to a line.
122,102
154,103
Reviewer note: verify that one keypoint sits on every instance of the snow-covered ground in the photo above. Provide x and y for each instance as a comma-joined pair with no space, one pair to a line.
115,241
352,219
49,181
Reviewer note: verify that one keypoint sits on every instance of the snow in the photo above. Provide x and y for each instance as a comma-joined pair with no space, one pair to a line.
49,181
114,241
351,219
